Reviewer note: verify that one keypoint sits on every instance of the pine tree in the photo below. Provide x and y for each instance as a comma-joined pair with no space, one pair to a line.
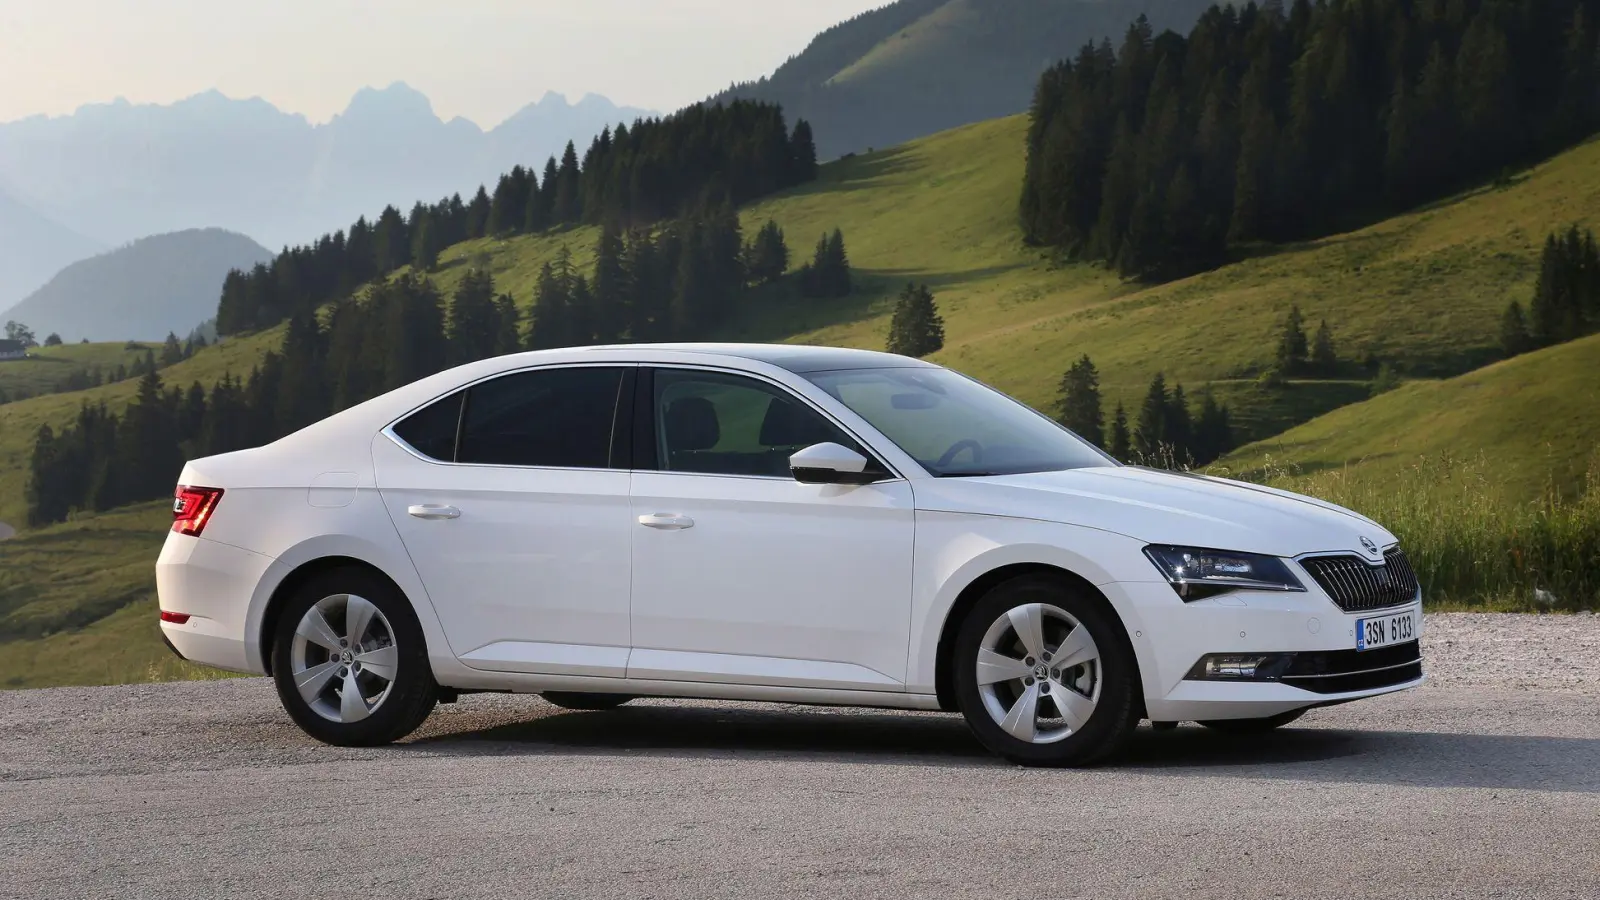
916,329
1324,358
508,334
1213,432
1079,402
147,441
477,219
1150,432
1292,345
767,257
550,326
568,206
803,148
171,351
475,322
391,241
609,287
1121,440
1178,431
302,395
1514,338
425,244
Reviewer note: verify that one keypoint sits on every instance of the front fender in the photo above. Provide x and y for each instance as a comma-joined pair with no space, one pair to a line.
954,550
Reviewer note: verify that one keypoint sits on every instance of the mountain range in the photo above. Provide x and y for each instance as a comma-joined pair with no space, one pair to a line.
140,291
114,172
915,67
32,248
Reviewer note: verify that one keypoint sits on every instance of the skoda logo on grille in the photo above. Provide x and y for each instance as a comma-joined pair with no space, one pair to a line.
1369,545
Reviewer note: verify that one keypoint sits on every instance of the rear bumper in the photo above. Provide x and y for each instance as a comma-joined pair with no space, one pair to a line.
1170,636
214,585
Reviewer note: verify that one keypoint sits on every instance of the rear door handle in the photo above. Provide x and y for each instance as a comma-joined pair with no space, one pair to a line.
434,511
666,521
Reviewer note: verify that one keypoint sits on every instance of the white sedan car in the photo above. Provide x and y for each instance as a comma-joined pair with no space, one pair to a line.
777,523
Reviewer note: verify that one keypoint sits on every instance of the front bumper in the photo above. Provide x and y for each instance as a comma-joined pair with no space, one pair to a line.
214,585
1170,636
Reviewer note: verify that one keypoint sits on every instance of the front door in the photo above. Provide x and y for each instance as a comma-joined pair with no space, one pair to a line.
742,574
509,505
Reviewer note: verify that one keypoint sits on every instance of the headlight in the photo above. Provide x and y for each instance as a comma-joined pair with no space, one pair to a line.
1195,573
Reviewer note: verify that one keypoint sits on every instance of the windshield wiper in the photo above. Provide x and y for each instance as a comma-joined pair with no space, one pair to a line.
967,474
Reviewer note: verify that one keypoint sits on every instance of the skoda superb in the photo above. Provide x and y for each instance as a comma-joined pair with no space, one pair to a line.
777,523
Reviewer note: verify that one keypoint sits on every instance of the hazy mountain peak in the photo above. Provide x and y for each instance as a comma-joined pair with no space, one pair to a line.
397,101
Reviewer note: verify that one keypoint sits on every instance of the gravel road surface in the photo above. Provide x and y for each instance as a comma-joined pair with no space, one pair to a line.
1484,783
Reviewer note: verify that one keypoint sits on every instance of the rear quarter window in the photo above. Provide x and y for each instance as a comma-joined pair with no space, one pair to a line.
432,430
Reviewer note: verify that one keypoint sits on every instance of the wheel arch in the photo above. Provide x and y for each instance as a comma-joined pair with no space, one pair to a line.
944,674
299,577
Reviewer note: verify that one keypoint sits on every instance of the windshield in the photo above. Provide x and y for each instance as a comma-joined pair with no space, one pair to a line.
955,426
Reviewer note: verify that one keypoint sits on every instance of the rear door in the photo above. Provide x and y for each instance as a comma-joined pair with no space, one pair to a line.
512,499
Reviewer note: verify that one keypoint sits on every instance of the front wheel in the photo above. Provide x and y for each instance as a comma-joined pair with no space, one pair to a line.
1044,676
1253,726
350,661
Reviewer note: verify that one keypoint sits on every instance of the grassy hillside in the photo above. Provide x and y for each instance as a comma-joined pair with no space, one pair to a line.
1531,422
19,422
47,367
77,603
1491,479
1423,290
916,67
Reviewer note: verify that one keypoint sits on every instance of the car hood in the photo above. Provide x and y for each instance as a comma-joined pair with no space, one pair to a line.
1162,507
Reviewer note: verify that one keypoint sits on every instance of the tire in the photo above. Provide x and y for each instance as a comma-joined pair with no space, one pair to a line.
584,701
390,644
1253,726
1106,709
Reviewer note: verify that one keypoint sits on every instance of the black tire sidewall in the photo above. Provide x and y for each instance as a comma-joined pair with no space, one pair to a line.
414,691
1115,714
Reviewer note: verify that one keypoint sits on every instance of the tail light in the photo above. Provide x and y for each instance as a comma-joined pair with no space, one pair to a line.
175,618
192,508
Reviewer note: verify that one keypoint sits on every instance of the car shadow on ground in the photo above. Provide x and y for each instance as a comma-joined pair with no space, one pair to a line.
1397,758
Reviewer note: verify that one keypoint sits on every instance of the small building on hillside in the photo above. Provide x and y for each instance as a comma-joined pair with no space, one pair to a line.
12,350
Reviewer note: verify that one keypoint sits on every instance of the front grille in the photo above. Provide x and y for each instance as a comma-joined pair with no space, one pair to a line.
1337,671
1357,585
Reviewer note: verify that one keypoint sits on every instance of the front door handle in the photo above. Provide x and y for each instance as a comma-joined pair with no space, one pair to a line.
666,522
434,511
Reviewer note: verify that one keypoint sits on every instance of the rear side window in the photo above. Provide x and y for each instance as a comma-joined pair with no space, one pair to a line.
431,430
546,417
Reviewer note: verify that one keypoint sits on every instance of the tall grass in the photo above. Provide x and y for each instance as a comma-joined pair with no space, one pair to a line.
1470,548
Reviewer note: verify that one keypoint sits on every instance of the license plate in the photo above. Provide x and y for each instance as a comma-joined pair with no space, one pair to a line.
1384,631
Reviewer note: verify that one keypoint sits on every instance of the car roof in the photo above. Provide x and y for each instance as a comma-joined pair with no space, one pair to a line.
797,358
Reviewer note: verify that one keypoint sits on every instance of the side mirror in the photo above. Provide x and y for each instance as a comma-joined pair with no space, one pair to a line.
831,463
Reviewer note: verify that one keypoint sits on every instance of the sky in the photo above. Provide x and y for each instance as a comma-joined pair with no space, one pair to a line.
482,59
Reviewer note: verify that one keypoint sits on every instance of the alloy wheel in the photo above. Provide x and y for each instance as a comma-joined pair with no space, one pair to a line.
1038,673
344,658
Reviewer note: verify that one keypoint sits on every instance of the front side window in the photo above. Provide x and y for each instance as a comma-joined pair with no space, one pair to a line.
715,424
954,426
561,418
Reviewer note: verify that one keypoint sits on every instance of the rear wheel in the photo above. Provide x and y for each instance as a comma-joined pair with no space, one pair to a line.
582,701
1044,676
1253,726
350,661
